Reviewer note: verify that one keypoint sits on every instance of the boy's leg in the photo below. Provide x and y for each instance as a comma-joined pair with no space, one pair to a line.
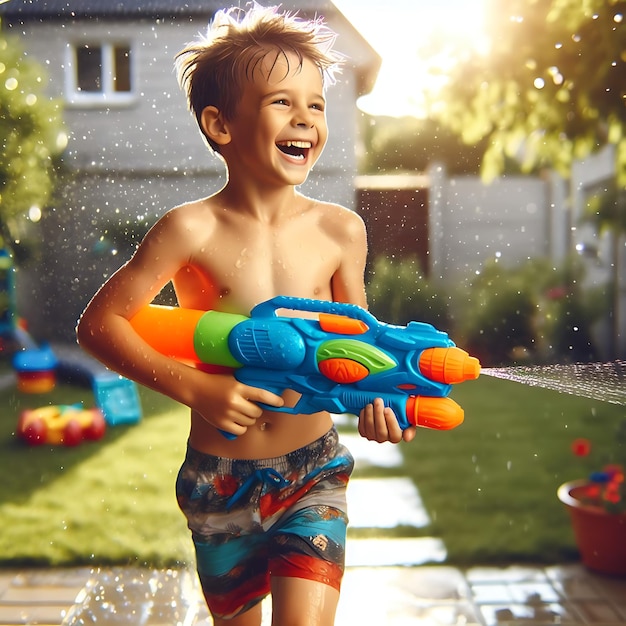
249,618
302,602
307,565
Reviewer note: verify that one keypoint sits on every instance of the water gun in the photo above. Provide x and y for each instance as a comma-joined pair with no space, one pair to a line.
339,361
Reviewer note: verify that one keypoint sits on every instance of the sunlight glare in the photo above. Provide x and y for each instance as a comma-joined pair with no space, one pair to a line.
398,32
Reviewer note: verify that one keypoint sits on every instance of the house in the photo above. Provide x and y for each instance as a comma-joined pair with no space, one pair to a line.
134,150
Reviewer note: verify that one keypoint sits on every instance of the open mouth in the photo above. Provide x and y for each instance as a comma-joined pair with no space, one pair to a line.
295,149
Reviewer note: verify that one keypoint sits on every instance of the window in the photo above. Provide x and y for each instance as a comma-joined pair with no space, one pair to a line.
99,73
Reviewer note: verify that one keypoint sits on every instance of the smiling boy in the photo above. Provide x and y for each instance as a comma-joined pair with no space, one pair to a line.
266,509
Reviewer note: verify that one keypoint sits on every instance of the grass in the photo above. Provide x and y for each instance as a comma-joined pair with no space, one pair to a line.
489,486
105,502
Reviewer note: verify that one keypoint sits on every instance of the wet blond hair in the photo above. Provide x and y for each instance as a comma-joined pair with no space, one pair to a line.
212,70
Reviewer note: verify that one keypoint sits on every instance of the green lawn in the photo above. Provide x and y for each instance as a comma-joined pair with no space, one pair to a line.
489,485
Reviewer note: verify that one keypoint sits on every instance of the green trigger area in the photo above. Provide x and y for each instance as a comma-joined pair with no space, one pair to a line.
349,360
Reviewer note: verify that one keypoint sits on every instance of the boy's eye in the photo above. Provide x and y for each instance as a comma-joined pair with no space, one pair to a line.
281,101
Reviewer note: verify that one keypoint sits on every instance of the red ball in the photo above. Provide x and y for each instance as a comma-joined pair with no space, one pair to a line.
97,428
35,433
72,433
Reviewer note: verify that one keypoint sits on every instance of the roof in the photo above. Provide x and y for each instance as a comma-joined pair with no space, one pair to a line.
129,8
366,61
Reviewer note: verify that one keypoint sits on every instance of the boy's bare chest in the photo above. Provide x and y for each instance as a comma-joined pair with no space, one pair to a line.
250,264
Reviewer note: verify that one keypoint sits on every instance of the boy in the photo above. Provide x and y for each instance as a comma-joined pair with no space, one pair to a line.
266,509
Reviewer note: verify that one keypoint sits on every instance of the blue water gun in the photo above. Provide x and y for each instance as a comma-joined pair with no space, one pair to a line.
340,360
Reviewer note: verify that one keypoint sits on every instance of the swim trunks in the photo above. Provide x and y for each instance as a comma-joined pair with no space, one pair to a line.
252,519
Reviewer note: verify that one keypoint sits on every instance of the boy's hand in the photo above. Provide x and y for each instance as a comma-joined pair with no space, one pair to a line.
378,423
229,405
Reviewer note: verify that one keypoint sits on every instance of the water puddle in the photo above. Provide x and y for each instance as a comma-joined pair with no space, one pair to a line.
140,597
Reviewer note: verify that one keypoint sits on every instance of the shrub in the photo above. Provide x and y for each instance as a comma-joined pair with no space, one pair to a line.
535,312
496,318
398,293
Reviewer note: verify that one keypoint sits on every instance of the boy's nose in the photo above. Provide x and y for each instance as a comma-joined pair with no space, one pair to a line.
303,119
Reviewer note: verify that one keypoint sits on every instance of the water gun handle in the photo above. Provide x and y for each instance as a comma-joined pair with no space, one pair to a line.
309,305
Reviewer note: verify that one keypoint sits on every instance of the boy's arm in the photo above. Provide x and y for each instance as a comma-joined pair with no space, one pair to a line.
104,331
376,422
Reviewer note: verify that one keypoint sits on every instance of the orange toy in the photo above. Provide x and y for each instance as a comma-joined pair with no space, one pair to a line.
60,424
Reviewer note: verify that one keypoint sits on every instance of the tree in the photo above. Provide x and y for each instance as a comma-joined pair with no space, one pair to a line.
551,88
31,135
413,144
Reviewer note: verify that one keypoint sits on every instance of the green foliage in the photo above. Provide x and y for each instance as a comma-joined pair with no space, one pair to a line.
531,313
411,144
607,210
31,134
535,312
550,89
496,320
398,293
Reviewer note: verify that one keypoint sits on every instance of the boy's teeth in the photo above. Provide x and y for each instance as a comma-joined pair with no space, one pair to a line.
295,144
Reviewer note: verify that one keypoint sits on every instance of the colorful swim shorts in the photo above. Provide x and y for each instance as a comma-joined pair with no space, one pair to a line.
252,519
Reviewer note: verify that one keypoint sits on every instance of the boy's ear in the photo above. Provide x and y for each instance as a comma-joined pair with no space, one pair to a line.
213,125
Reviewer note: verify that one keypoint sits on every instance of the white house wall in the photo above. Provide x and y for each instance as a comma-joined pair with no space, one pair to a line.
472,223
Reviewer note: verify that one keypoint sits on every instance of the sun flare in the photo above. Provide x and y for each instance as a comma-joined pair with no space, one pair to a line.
400,34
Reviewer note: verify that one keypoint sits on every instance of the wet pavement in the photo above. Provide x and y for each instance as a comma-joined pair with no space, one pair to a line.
429,595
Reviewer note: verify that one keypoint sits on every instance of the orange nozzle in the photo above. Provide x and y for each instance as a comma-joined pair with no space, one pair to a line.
431,412
170,330
448,365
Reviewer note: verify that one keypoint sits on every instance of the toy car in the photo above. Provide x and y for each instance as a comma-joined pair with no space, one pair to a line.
60,424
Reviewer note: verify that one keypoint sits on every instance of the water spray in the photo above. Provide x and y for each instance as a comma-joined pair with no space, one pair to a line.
597,381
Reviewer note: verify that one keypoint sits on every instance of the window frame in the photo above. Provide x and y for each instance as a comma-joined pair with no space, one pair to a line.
107,96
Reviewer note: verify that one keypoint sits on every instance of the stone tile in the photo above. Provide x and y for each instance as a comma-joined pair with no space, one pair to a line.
534,593
492,592
6,579
514,614
597,612
59,577
409,615
612,589
42,594
385,503
433,595
393,552
510,574
13,614
371,452
432,584
621,609
573,582
399,596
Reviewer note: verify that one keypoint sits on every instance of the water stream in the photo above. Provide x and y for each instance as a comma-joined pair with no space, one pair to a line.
598,381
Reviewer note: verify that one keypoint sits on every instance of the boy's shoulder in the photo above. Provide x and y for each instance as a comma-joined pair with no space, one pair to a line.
188,213
338,218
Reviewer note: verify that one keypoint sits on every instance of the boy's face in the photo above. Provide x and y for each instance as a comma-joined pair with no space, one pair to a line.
279,128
